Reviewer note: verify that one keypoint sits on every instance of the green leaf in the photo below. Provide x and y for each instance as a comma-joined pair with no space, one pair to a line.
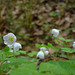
58,67
38,45
42,45
17,53
23,52
61,38
68,50
9,53
53,13
26,69
56,48
1,52
68,40
50,45
32,53
64,44
6,49
56,40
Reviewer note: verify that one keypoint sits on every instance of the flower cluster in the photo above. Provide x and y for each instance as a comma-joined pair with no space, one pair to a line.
42,53
10,41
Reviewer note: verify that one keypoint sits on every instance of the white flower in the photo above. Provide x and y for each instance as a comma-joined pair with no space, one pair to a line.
9,39
46,53
55,32
17,46
43,48
40,55
74,45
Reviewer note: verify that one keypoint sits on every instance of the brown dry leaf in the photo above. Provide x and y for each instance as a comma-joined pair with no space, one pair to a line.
39,40
73,31
15,12
51,51
60,22
38,32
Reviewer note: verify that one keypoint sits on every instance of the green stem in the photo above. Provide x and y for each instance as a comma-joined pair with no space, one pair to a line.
2,63
13,52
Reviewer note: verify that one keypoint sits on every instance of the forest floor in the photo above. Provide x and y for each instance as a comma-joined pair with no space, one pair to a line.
33,23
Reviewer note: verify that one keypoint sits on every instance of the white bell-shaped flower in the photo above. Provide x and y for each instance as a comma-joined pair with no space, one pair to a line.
40,55
74,45
55,32
9,39
43,48
17,46
46,53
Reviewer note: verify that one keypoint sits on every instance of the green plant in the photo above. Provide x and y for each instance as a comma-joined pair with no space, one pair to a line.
32,53
51,67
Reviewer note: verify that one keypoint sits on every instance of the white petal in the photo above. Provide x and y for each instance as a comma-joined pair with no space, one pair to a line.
5,42
5,37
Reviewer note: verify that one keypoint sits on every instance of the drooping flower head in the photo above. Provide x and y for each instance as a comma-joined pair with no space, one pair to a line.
40,55
46,53
55,32
9,39
17,46
74,45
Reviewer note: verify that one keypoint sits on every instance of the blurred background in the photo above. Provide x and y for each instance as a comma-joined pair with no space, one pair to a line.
32,21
